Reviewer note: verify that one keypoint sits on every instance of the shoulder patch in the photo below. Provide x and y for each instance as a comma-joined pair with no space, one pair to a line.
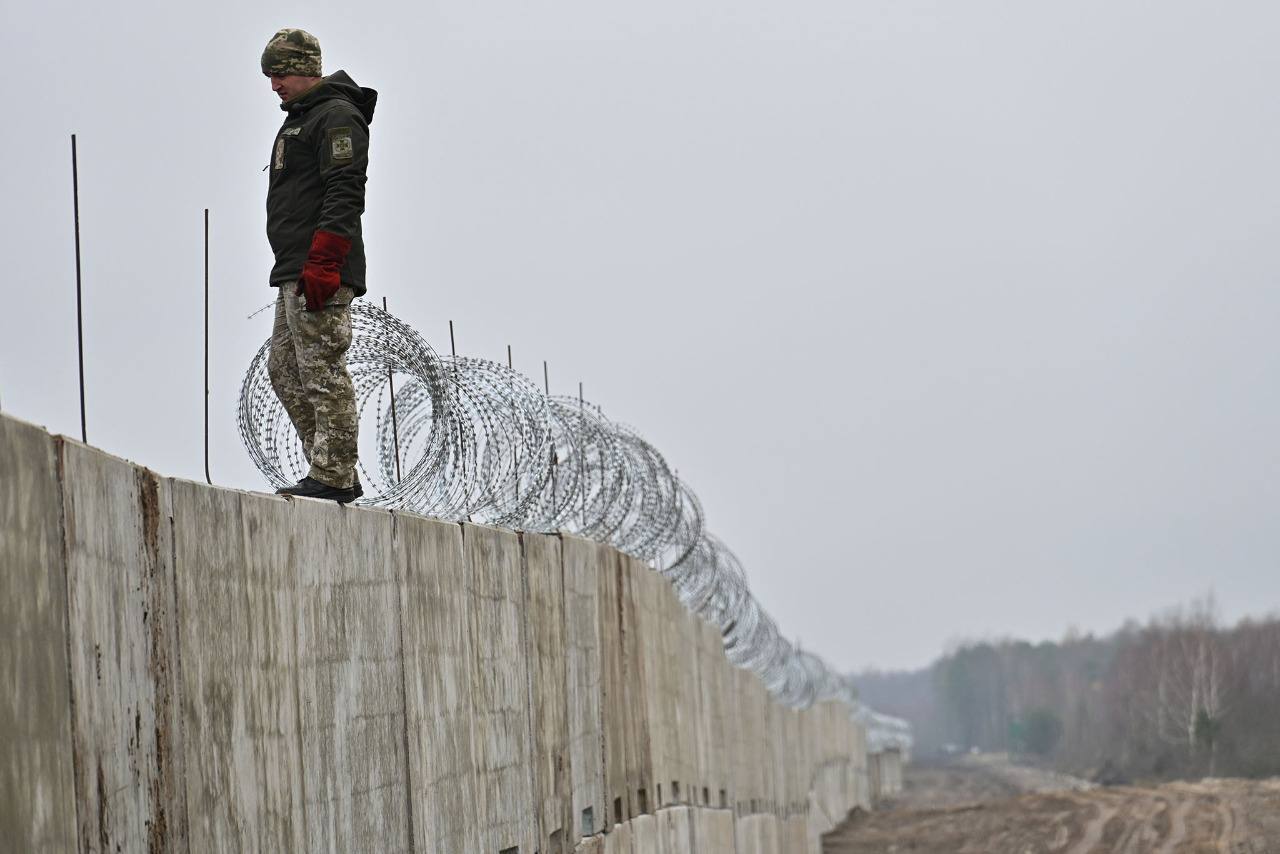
340,144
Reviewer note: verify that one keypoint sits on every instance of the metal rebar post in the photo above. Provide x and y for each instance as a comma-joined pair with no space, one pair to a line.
207,478
555,458
395,423
515,447
582,463
75,196
453,351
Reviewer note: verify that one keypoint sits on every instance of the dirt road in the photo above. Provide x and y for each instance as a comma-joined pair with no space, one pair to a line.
993,808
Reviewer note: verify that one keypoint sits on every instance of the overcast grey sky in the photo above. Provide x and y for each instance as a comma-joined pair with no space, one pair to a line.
960,317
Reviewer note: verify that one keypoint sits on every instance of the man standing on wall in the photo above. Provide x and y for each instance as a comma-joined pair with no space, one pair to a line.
315,197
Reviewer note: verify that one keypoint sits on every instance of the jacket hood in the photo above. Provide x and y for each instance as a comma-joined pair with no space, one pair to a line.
337,85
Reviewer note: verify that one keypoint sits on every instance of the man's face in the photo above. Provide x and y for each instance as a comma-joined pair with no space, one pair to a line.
289,86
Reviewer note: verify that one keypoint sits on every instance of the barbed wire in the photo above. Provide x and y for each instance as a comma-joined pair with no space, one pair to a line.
463,438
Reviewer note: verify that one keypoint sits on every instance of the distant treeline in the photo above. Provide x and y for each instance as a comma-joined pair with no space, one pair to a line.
1179,697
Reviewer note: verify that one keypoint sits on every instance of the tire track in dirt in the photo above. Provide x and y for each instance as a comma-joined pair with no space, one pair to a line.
1102,813
1147,824
1227,827
1211,816
1177,828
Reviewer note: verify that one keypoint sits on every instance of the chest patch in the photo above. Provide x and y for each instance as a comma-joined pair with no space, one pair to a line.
340,144
278,163
291,131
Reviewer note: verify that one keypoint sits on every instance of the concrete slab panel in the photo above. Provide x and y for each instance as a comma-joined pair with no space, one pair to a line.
875,783
649,630
750,711
700,703
644,835
37,811
238,646
794,789
681,656
817,822
583,680
613,690
746,834
793,835
125,723
500,686
716,679
618,840
780,757
769,839
712,831
775,776
350,678
757,834
632,577
891,772
674,830
552,792
438,663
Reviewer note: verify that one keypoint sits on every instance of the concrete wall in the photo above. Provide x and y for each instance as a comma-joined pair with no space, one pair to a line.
885,774
194,669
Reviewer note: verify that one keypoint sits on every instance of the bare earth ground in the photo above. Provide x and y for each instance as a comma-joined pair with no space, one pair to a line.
986,806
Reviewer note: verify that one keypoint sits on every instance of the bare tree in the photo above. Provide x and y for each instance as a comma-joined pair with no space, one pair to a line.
1188,662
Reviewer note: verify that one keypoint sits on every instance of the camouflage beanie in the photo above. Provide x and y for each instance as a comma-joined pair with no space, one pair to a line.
292,51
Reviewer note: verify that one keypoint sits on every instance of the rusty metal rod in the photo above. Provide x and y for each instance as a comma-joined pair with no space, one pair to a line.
75,196
207,477
395,422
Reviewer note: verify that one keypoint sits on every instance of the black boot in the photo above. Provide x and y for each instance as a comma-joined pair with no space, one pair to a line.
311,488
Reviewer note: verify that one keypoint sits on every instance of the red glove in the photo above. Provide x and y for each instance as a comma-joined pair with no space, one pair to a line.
321,274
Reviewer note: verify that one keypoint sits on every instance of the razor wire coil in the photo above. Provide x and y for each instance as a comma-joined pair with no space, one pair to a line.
465,438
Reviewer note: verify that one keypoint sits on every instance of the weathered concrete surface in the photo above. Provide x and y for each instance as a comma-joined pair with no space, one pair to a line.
614,711
886,773
711,831
757,834
793,835
439,705
873,777
544,594
126,731
702,706
644,835
795,786
237,636
500,689
247,672
639,752
350,679
583,681
751,765
618,840
776,759
651,593
716,681
681,690
674,830
37,799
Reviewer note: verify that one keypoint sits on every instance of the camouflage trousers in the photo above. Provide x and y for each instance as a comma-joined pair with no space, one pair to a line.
308,370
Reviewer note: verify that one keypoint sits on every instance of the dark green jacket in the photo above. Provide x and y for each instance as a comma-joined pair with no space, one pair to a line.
318,163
